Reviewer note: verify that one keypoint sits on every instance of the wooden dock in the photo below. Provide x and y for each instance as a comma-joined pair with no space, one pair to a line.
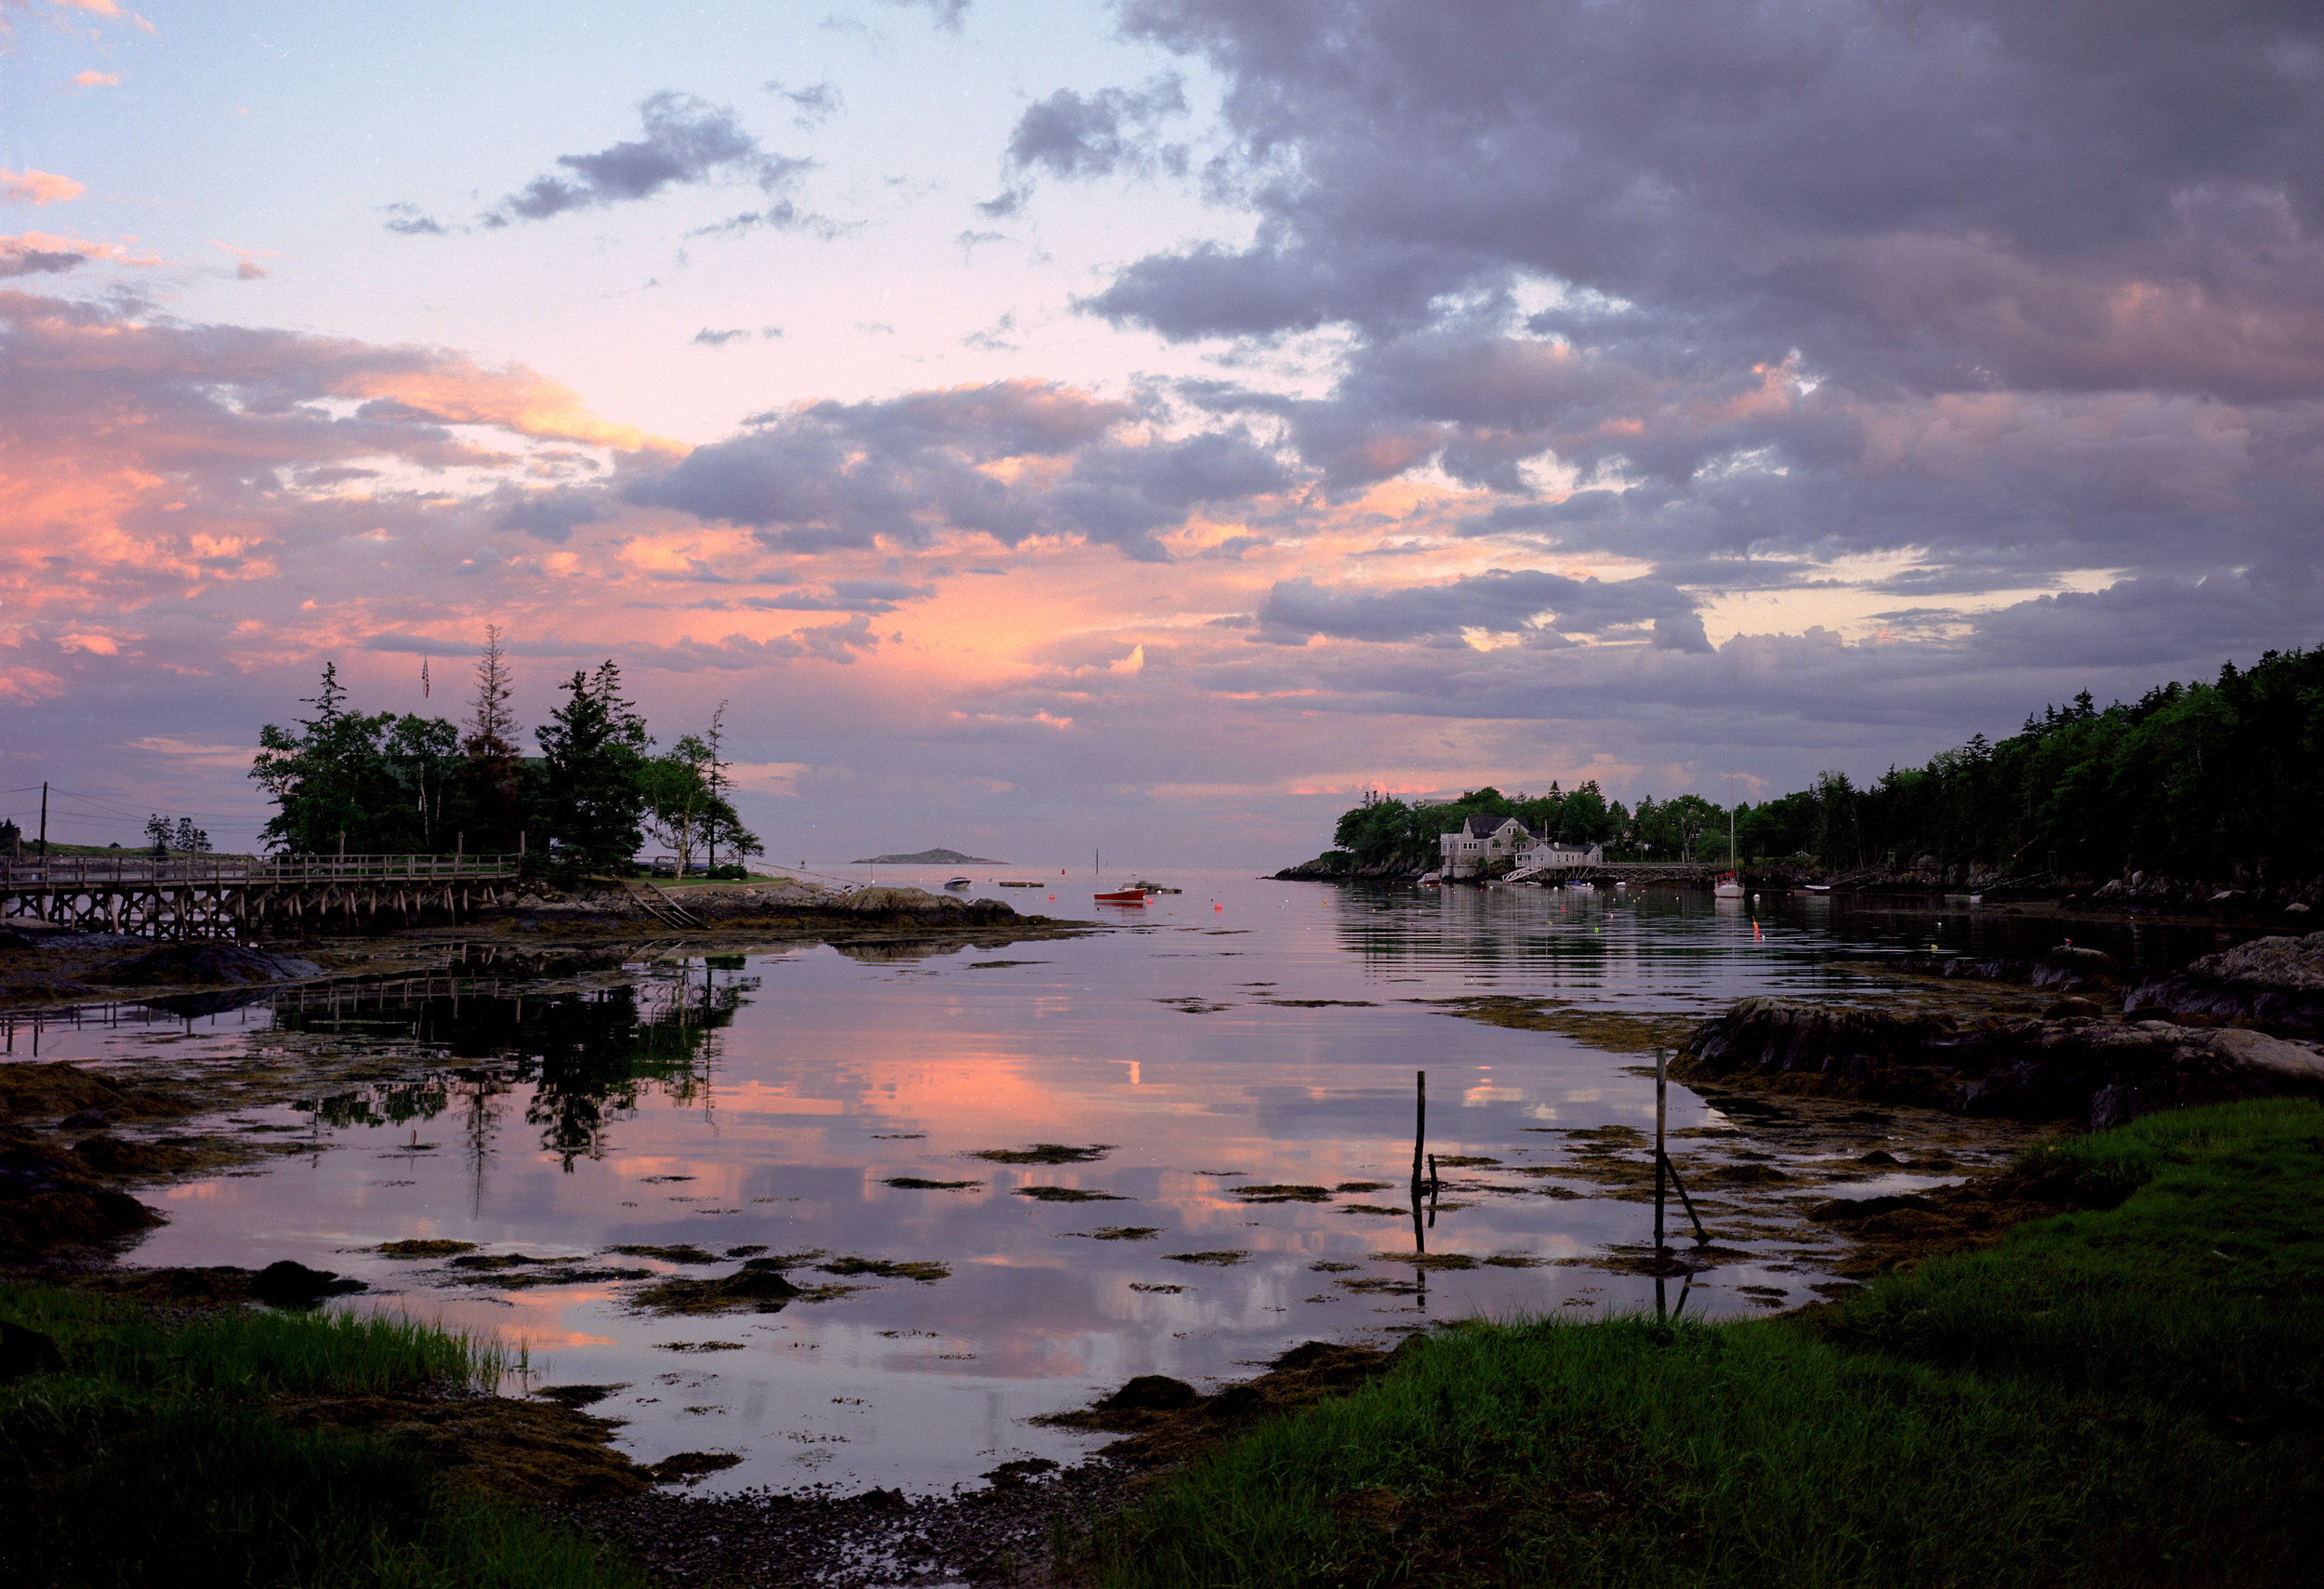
219,897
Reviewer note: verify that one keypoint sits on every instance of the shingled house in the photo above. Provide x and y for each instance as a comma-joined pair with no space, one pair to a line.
1483,840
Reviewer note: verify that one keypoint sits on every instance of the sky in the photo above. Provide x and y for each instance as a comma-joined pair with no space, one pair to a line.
1147,425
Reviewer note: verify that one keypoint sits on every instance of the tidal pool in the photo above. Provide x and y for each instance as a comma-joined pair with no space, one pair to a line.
992,1182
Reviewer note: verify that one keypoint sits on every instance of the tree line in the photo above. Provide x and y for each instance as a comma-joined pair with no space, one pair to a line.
2202,780
387,783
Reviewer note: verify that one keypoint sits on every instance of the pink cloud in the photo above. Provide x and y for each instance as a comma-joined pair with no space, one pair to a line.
31,187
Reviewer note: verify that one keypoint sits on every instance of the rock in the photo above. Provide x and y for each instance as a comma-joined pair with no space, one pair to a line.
208,961
86,1120
2276,982
2295,908
921,905
2073,1009
26,1352
289,1284
2069,969
2105,1072
1152,1393
1863,1051
1846,1211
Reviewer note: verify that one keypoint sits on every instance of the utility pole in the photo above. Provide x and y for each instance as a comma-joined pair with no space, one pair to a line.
44,819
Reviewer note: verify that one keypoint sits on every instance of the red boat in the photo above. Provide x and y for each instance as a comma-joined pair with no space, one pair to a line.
1122,896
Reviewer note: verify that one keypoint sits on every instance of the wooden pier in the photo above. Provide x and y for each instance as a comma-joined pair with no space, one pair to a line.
219,897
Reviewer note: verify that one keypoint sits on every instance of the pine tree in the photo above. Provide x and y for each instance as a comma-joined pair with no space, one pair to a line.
494,796
591,786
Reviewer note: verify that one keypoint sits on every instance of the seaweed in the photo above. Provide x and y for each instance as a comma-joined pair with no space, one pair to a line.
1044,1153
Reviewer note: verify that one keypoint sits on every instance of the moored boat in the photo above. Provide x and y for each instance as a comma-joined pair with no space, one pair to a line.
957,882
1122,896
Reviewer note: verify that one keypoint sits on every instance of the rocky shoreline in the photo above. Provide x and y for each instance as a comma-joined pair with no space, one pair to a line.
2137,894
2240,1023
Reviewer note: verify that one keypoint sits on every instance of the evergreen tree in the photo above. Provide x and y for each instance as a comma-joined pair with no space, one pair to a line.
590,785
492,789
356,783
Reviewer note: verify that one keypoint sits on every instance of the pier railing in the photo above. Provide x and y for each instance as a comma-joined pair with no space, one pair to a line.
129,870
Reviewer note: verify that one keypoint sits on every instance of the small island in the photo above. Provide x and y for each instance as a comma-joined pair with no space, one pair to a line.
929,858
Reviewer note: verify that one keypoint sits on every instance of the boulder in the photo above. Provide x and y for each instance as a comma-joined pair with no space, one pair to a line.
918,904
289,1284
1152,1393
2276,982
2071,1067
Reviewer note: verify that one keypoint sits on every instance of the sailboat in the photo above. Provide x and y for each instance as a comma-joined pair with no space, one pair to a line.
1729,886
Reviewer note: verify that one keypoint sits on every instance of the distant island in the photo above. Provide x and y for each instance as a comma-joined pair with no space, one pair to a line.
929,858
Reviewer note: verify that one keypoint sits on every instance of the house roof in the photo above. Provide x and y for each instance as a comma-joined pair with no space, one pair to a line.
1482,826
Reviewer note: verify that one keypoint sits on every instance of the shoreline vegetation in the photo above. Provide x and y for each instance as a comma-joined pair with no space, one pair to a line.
207,1446
2198,797
2124,1392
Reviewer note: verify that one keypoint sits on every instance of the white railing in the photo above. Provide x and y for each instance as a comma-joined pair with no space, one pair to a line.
131,869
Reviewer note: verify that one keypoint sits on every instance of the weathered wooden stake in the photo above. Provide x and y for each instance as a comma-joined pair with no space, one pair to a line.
1662,1094
1702,1236
1419,1129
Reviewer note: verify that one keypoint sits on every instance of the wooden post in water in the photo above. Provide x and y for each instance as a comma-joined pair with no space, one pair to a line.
1662,1094
1420,1130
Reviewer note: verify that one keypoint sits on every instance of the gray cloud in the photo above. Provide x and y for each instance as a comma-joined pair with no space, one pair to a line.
551,514
685,140
945,13
858,474
710,338
1073,135
1525,601
2022,290
872,596
813,105
20,262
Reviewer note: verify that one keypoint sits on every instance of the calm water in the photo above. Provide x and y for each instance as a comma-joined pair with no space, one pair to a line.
767,1100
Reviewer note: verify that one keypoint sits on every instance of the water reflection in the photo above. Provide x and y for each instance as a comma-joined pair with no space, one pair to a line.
584,1058
810,1102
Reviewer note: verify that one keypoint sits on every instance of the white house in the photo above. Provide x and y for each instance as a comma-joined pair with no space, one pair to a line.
1551,854
1467,849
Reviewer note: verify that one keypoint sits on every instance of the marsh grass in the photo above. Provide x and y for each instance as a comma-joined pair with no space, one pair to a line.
2124,1396
240,1354
152,1458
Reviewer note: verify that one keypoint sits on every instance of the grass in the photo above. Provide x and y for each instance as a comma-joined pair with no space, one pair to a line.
150,1456
2119,1396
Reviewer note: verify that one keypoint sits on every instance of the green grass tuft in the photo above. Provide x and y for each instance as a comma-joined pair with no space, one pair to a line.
150,1458
2110,1397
